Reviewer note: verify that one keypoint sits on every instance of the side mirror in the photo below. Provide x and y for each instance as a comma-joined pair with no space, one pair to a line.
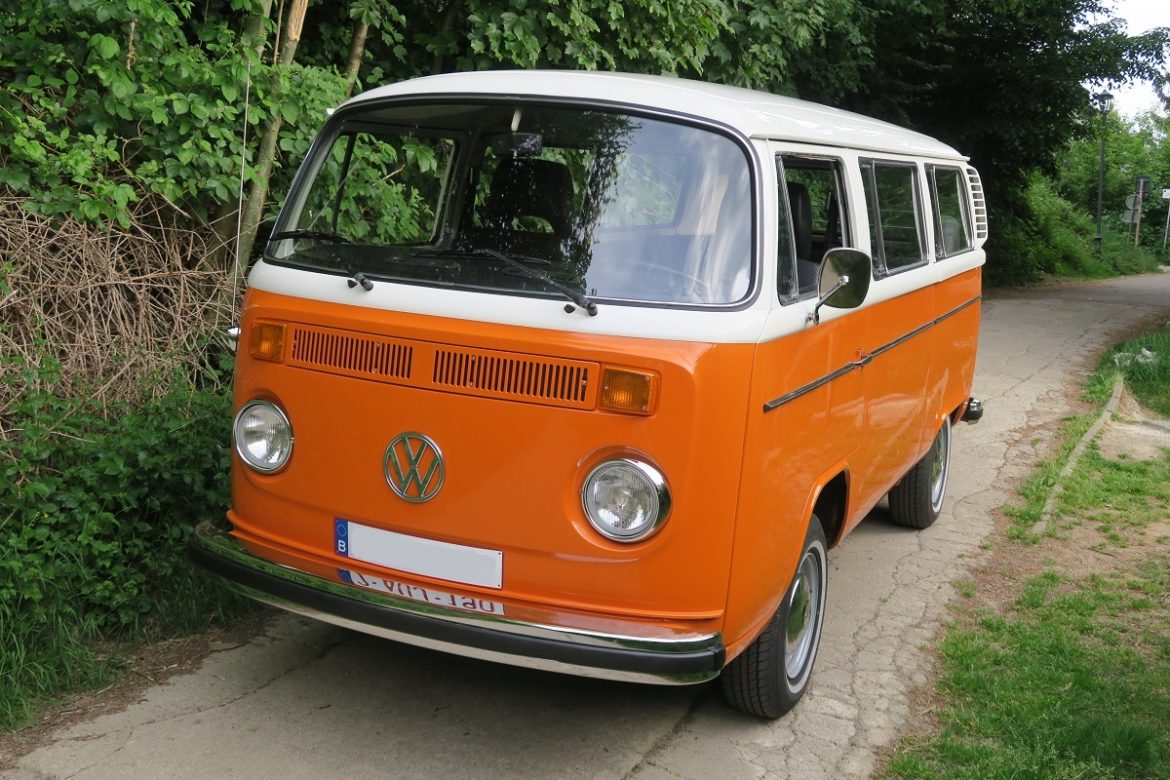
845,277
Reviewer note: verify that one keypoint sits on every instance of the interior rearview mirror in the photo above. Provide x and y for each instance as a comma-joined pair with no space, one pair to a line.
513,145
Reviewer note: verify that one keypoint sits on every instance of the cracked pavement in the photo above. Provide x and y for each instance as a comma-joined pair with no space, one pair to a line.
308,700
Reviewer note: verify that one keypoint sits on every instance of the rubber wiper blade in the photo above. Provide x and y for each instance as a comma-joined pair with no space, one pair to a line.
576,296
356,277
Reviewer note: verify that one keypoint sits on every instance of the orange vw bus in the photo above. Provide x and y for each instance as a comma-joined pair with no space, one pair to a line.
587,371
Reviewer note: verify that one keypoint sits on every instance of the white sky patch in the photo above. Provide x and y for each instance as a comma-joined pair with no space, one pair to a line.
1140,16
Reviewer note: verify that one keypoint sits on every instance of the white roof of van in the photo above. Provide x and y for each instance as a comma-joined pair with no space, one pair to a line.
756,114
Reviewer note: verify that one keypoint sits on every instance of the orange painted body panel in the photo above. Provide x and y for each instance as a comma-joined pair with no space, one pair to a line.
873,423
743,480
514,469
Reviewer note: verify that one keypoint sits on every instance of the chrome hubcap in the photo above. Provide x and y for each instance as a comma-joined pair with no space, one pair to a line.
804,605
940,464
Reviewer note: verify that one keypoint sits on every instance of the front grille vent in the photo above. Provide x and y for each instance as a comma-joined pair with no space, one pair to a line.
425,365
351,353
482,372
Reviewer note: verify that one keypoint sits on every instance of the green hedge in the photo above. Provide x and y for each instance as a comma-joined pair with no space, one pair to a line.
96,504
1045,235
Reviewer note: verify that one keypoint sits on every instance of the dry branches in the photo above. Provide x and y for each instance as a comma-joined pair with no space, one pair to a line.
124,311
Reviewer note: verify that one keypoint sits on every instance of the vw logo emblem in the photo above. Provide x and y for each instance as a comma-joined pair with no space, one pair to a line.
414,467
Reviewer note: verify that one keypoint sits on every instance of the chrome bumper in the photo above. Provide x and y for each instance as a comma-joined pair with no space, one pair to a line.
616,649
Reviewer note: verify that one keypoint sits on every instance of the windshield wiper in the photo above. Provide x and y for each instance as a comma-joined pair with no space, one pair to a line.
356,277
575,296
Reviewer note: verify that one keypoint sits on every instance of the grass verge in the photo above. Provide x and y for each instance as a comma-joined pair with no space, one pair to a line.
1145,361
1070,681
1070,676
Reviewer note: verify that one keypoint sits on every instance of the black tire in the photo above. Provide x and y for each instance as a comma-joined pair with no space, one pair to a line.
759,681
916,501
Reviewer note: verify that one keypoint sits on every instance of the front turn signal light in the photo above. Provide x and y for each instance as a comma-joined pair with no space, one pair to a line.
633,392
267,342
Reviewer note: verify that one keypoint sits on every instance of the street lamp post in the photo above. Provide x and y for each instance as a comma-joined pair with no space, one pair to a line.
1104,104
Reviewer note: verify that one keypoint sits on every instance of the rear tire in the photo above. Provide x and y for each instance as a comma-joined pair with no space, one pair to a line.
916,501
768,679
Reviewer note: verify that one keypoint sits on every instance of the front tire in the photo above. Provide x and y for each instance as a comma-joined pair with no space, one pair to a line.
916,501
770,677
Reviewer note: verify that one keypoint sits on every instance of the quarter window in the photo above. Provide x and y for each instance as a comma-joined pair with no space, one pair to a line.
785,259
952,220
895,224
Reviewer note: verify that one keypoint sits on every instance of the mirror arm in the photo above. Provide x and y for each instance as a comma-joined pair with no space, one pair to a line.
814,316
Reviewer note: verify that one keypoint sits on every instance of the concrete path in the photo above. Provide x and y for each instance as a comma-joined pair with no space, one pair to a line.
311,701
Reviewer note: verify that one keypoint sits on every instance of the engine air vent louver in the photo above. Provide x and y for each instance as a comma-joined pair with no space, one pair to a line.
374,357
980,203
516,377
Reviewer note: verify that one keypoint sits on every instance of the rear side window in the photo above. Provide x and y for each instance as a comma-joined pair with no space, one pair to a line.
952,219
895,218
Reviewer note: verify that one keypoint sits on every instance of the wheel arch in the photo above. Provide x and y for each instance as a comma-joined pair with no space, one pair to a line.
830,504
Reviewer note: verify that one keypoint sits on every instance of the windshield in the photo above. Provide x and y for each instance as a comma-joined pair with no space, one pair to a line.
617,206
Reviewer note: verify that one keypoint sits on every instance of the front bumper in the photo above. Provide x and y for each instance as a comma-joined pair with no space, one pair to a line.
571,642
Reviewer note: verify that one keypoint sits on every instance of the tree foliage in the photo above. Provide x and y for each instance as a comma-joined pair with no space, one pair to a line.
1140,149
1001,80
108,103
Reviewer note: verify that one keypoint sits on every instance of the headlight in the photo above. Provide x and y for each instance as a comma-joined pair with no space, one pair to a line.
625,500
264,437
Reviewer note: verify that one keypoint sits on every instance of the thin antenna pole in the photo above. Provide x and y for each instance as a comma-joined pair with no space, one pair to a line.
240,195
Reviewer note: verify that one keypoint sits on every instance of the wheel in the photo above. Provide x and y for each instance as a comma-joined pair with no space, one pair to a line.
917,499
769,677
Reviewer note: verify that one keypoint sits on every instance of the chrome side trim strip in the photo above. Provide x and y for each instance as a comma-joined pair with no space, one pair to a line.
865,359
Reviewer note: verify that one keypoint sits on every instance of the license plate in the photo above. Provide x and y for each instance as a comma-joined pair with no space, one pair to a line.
415,555
417,593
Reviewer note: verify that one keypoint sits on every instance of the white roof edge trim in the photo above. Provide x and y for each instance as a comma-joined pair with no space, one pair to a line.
931,155
753,113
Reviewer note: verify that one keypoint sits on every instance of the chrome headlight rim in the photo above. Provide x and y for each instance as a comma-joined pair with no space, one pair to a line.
657,483
239,447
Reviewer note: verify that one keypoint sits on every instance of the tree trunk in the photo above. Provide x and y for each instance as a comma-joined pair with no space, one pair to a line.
254,208
439,64
223,222
357,48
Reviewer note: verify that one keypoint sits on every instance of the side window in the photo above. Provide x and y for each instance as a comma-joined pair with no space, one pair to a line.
814,191
895,223
952,220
